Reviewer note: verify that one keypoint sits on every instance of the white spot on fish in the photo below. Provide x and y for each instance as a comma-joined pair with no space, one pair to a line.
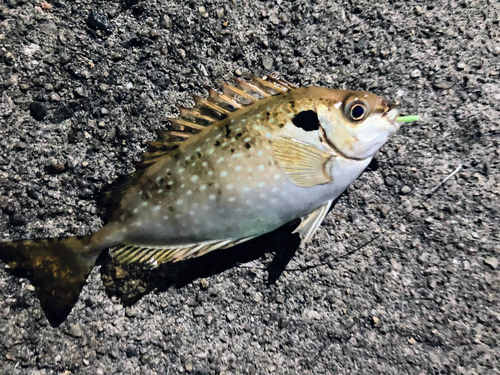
160,191
165,217
277,177
211,151
232,199
179,202
220,160
180,170
212,197
243,120
136,210
260,153
144,204
183,186
140,193
198,149
229,187
238,155
192,213
187,157
245,189
171,182
249,169
177,216
218,136
192,165
138,223
206,207
194,178
210,173
204,164
157,208
261,167
257,115
271,120
262,184
189,192
337,105
223,174
274,189
224,144
203,187
238,168
248,139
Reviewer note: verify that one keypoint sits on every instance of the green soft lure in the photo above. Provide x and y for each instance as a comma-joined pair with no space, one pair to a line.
411,118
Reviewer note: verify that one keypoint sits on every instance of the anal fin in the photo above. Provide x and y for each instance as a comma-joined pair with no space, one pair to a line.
312,221
152,257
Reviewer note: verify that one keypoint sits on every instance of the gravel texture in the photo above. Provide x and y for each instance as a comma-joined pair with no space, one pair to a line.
84,84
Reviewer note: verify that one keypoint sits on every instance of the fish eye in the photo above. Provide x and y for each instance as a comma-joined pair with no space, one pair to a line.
357,112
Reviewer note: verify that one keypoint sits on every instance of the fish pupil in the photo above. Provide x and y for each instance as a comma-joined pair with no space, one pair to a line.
306,120
357,112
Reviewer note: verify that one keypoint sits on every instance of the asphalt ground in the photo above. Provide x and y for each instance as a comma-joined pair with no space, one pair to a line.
396,281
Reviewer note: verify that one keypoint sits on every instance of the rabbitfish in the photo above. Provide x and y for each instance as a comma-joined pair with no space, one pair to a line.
240,164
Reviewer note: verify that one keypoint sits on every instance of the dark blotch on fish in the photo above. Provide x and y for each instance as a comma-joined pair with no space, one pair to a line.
306,120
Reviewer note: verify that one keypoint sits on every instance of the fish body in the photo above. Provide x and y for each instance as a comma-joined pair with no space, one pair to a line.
240,164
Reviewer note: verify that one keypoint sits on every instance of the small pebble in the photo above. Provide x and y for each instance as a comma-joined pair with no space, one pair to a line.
98,21
38,111
165,22
220,13
491,262
267,62
80,91
17,220
54,97
131,351
415,73
75,330
418,10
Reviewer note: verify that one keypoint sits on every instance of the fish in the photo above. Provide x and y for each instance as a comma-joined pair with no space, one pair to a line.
241,163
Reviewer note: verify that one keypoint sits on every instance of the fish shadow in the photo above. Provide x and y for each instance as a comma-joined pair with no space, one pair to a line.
130,284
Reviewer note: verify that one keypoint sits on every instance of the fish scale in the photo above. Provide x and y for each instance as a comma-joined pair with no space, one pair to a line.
240,164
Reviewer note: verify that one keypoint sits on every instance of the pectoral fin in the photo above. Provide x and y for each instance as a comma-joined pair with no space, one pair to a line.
303,164
312,221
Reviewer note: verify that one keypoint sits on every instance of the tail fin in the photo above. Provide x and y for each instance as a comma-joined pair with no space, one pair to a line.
58,268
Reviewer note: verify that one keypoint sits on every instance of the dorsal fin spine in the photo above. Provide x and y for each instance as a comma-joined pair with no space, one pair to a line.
231,90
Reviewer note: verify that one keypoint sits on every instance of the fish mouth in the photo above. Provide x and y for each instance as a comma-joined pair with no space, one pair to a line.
391,115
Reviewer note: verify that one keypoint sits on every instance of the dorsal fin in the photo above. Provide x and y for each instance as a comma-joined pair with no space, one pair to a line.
216,107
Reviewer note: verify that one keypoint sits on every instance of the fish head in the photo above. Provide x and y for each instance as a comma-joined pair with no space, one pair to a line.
356,124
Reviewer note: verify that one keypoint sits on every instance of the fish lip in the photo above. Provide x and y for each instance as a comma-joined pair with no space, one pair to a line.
391,116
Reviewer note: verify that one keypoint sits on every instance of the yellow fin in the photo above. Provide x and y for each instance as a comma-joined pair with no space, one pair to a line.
303,164
312,221
152,257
